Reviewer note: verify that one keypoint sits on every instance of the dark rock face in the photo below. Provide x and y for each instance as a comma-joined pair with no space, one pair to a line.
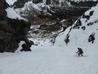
88,16
67,39
37,1
48,2
7,38
3,5
87,3
78,24
26,47
20,3
11,33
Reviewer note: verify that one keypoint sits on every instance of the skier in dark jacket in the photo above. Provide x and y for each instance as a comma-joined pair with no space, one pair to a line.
80,52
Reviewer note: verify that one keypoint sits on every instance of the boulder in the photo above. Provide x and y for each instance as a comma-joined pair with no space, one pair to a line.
12,31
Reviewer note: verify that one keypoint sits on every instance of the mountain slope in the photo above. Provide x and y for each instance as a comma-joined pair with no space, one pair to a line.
29,9
60,58
78,35
49,60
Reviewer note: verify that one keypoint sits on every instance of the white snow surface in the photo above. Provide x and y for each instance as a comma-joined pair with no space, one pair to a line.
60,58
11,2
11,13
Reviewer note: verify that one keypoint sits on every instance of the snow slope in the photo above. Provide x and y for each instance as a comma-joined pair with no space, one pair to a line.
50,60
77,35
60,58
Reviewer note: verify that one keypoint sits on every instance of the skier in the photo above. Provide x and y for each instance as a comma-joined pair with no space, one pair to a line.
80,52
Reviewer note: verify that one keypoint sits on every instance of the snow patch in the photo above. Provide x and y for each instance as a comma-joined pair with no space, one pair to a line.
12,14
11,2
20,46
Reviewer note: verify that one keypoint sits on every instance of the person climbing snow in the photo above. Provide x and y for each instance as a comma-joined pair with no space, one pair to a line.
79,52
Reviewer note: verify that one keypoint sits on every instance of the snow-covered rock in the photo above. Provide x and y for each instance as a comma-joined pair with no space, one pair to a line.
30,9
11,2
79,33
13,15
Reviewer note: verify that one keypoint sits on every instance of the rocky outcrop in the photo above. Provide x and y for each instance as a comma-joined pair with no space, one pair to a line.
3,5
37,1
12,31
20,3
84,3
